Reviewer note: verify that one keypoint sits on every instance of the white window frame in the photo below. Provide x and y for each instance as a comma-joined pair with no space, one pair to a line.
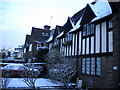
110,41
88,66
83,65
104,37
98,66
97,38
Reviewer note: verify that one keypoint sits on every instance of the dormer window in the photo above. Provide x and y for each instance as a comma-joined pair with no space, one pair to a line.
44,34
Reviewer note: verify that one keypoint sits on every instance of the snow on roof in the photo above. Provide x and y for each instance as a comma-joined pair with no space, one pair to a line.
38,42
16,51
49,39
76,26
101,9
43,47
35,63
71,22
15,64
39,48
60,35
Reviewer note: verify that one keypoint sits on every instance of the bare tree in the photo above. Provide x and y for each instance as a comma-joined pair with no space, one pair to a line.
59,68
29,74
6,74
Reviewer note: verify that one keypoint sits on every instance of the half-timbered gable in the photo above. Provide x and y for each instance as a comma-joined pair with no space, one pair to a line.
65,38
52,41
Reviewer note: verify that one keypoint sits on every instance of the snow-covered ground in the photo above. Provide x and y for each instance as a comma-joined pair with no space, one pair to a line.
40,82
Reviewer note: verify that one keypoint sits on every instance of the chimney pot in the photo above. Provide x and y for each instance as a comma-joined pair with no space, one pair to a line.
47,27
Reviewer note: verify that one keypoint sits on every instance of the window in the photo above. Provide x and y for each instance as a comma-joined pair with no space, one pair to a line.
73,43
76,44
104,40
92,45
110,24
87,46
70,50
88,39
79,46
30,48
97,36
67,48
83,65
24,50
87,65
88,29
83,46
84,30
91,66
110,41
70,36
45,34
92,28
98,66
66,37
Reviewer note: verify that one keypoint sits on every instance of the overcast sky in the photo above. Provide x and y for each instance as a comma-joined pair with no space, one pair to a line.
18,16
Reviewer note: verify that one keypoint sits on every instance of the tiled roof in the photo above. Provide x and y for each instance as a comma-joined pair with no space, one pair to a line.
37,34
57,31
28,40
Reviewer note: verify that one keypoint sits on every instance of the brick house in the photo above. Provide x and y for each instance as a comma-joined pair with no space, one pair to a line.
18,52
27,48
90,39
52,41
35,41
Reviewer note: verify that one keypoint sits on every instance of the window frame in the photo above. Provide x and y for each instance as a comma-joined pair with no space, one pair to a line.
90,66
103,48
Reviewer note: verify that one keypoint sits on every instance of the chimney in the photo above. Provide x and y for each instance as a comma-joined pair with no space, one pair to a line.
47,27
100,0
96,0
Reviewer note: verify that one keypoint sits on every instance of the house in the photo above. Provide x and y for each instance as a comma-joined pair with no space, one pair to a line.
18,53
90,39
35,41
27,48
52,41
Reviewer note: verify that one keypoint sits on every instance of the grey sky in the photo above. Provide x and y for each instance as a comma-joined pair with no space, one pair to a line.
18,16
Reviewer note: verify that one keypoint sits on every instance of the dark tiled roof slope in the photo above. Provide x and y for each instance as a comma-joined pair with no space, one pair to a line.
37,34
28,40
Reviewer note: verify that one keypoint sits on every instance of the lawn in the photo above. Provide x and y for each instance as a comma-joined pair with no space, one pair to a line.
40,82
